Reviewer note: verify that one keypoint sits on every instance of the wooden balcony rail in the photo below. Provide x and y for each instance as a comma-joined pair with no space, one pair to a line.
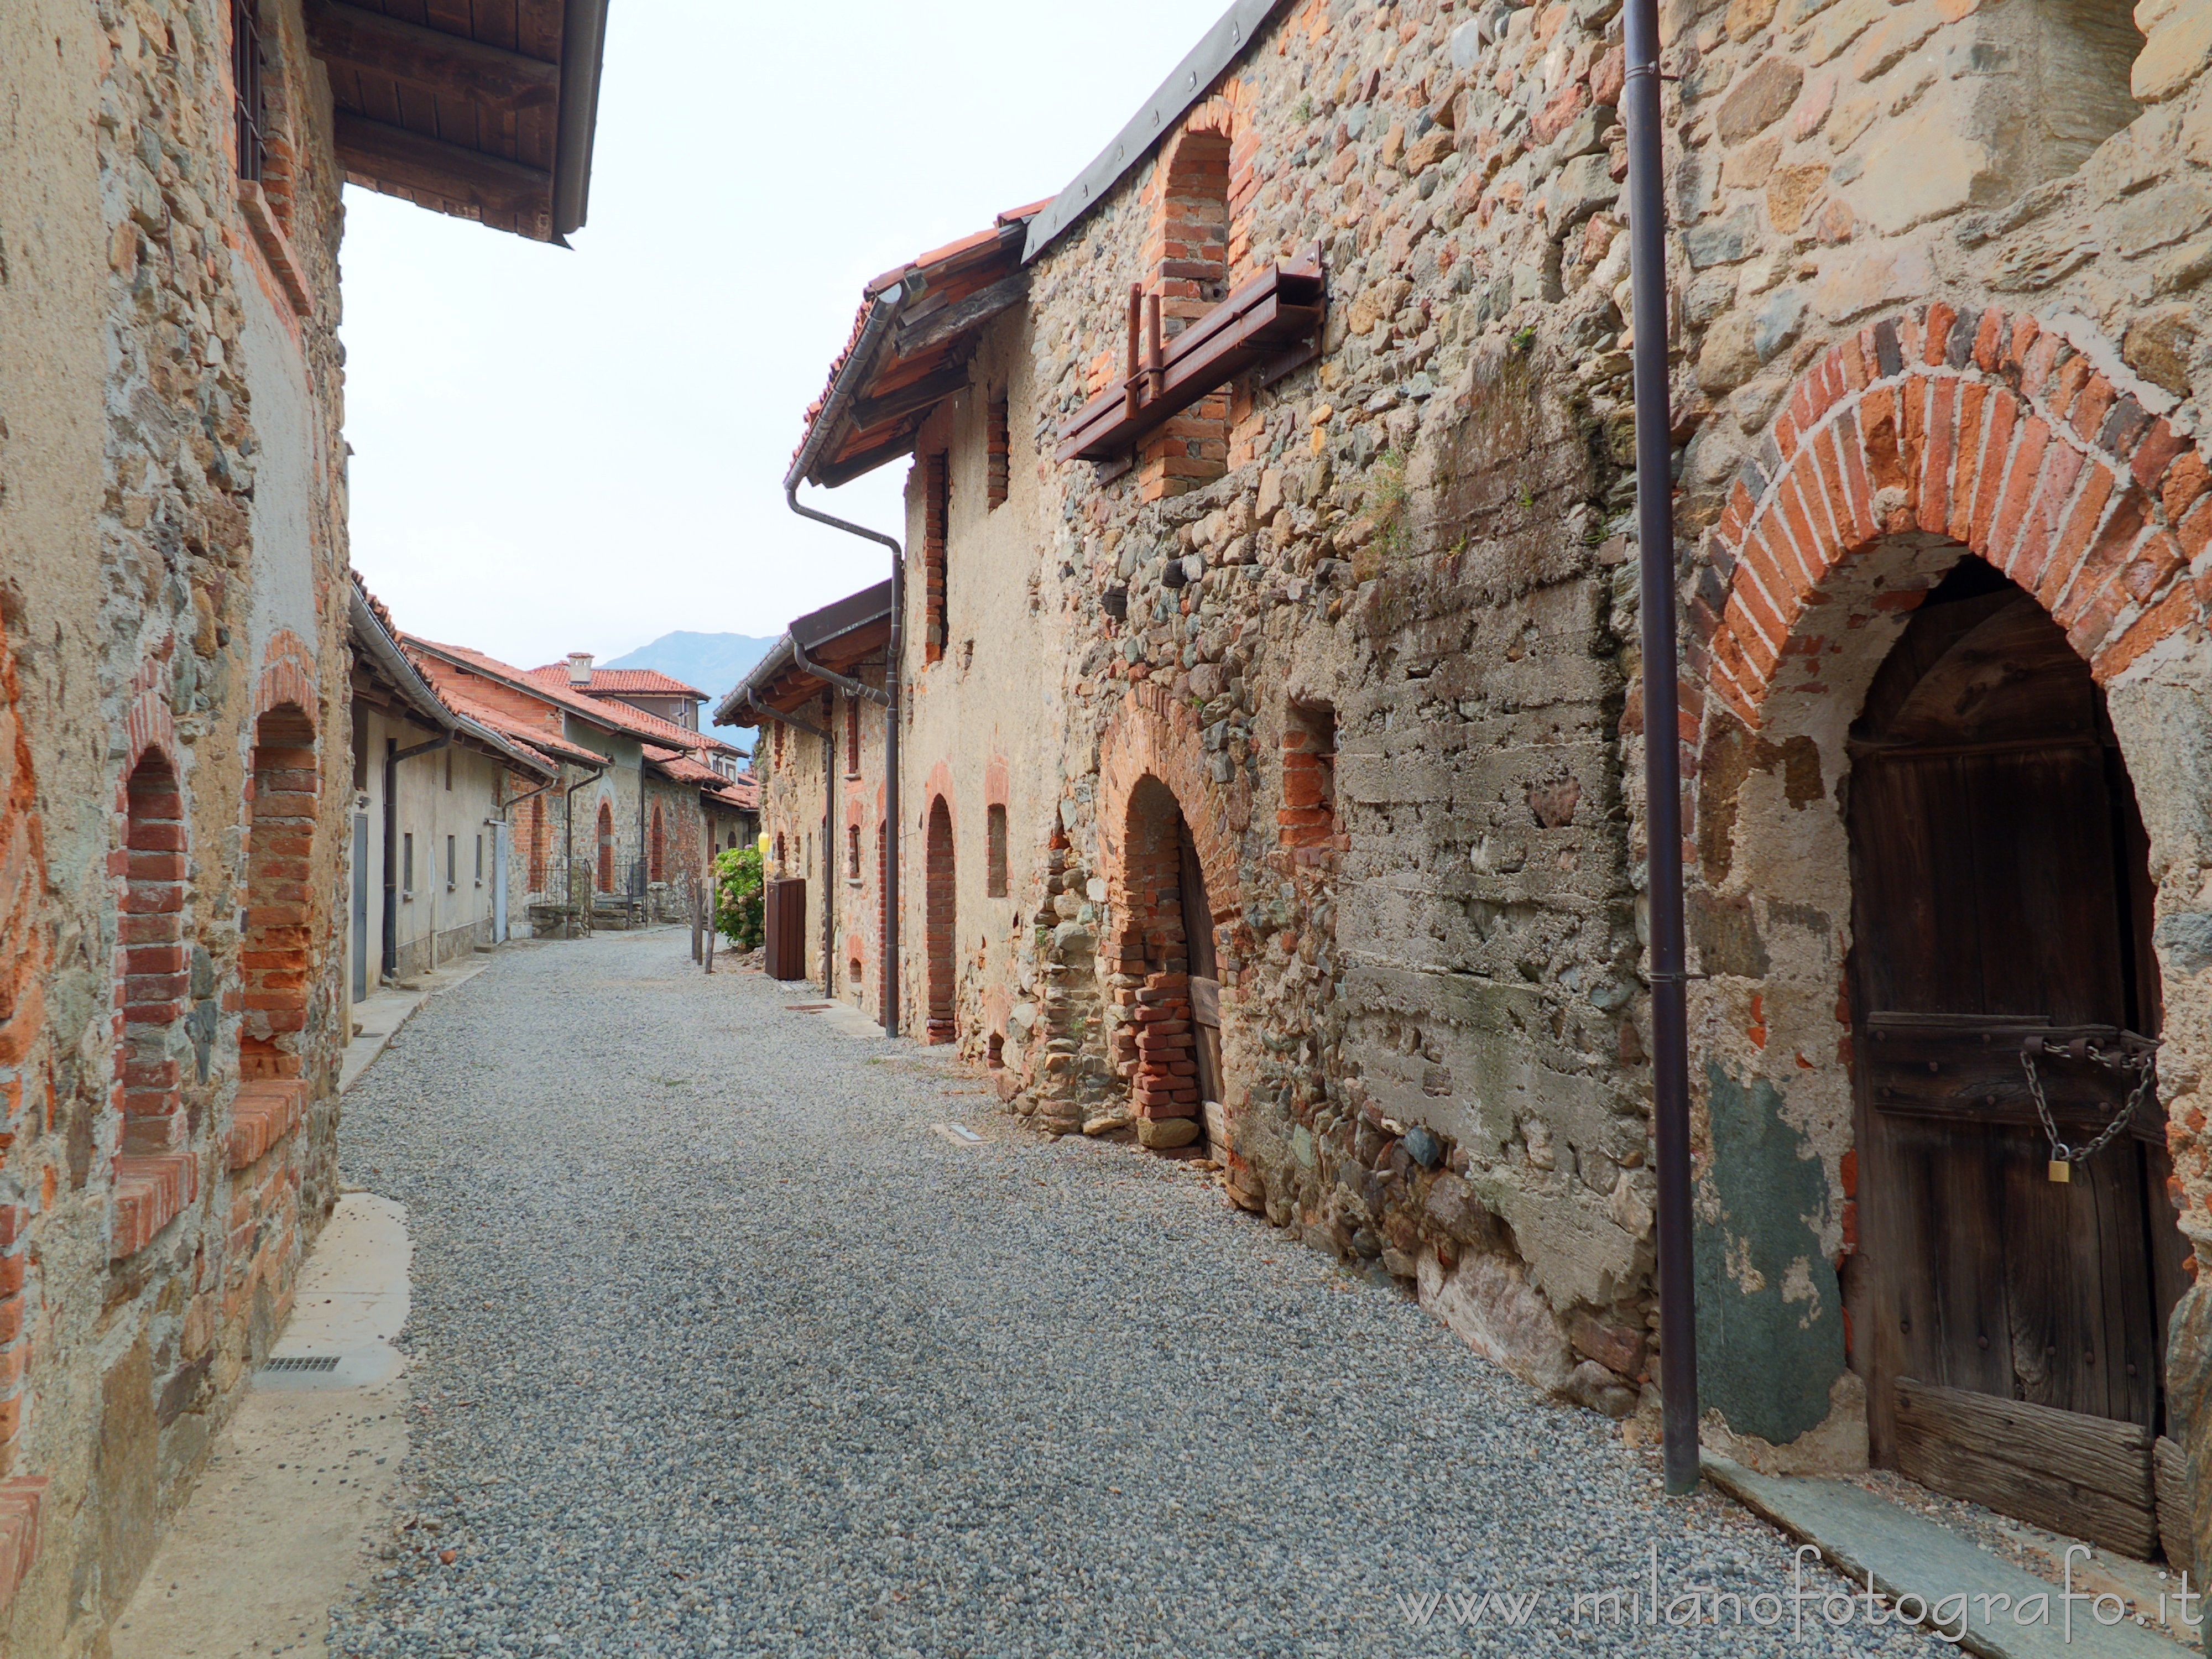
1273,323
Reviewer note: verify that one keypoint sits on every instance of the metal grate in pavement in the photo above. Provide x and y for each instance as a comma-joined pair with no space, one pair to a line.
312,1362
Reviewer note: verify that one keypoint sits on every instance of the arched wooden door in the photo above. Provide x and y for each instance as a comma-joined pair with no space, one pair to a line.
1205,969
2010,1323
940,912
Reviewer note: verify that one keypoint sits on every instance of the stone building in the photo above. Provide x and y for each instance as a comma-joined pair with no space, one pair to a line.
1306,692
641,803
430,874
175,656
816,696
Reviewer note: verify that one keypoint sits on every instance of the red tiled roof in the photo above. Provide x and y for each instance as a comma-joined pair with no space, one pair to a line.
551,745
979,241
743,794
616,716
534,753
616,682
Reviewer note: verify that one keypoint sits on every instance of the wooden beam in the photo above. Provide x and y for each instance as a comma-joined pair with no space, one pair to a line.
393,155
869,412
845,468
451,65
978,308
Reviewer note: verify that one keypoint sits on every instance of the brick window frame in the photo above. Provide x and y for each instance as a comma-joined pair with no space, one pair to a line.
154,978
998,450
277,959
1188,256
994,850
1307,816
940,910
936,528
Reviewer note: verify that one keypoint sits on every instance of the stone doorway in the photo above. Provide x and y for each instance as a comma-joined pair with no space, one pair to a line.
940,909
1169,1047
2014,1294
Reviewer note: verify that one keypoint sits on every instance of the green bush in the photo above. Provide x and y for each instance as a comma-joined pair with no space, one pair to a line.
738,916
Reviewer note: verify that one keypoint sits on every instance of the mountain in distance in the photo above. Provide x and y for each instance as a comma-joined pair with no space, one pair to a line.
712,662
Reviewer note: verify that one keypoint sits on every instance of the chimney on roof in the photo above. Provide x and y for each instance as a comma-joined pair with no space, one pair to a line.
579,668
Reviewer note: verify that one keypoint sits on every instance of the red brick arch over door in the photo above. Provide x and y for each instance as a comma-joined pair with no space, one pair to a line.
1987,428
1152,770
1926,436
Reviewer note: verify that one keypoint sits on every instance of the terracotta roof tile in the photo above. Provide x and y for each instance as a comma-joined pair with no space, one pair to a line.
619,716
615,681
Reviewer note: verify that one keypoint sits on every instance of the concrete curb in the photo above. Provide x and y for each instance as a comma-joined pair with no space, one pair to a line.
1901,1553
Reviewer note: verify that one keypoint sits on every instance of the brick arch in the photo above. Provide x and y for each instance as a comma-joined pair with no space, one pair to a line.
1152,770
288,676
1153,734
1990,429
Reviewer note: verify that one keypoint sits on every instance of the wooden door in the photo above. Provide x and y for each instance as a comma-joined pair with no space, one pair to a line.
1205,969
2000,894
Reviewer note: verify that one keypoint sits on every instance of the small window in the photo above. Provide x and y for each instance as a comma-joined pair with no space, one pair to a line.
479,860
852,737
853,853
1308,815
250,106
407,866
452,867
360,748
449,768
1000,441
994,852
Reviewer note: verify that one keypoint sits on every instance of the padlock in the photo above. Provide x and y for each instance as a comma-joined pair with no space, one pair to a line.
2061,1170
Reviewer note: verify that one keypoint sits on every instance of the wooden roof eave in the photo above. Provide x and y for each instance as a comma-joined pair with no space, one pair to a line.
478,130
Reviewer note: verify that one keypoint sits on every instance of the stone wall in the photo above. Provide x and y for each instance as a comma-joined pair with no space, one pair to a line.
171,683
1937,290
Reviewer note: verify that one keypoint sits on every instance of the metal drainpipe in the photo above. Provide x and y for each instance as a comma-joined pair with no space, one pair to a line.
644,871
568,835
393,754
892,656
851,688
1662,754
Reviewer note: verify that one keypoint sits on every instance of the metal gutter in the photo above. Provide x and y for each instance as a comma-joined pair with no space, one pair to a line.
883,312
421,695
851,688
583,49
1662,748
393,661
741,695
1191,82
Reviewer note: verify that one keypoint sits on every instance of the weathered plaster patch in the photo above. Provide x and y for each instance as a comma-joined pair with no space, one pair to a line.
1770,1335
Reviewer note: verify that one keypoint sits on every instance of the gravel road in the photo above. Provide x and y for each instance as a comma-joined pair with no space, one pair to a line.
717,1348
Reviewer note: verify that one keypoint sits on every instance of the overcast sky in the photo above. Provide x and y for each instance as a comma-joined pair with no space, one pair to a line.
583,451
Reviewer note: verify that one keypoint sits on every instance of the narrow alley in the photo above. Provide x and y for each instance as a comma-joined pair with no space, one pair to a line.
718,1346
